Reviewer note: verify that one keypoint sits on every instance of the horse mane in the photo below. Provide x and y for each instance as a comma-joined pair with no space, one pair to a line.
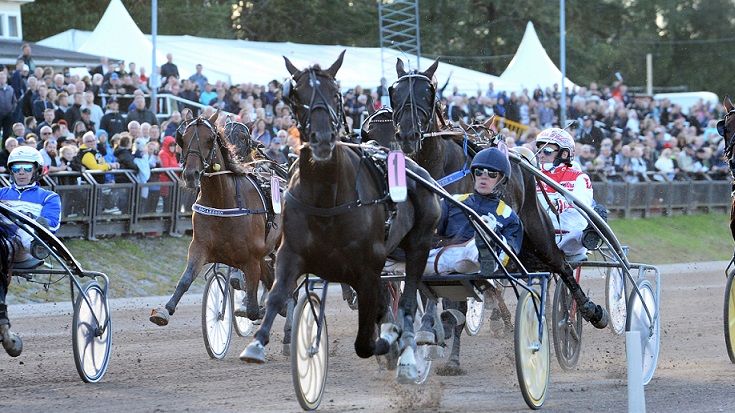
239,148
7,251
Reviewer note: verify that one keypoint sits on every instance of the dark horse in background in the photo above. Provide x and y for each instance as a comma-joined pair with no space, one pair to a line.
726,128
413,97
12,343
330,190
215,164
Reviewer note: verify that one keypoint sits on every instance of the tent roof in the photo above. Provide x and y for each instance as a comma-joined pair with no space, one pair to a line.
531,65
44,55
117,36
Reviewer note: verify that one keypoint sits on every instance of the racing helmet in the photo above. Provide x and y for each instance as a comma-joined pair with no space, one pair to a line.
558,137
493,159
29,155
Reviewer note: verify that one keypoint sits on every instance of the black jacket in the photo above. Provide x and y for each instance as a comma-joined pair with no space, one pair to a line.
124,156
113,123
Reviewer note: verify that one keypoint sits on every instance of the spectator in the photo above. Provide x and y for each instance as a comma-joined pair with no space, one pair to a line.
207,95
169,69
198,77
141,114
167,155
124,153
96,113
10,144
74,113
143,173
51,158
27,57
173,124
46,135
79,130
666,164
112,121
8,102
274,151
261,134
87,119
48,118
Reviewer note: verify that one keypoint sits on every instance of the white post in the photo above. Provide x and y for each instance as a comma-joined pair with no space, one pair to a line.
649,74
636,395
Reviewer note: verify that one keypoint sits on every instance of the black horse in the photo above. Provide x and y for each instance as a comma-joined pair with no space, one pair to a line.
413,97
331,188
726,128
12,343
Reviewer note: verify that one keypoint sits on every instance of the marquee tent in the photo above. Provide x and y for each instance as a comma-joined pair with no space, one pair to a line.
238,61
531,65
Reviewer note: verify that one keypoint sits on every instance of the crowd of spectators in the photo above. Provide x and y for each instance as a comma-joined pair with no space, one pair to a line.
619,136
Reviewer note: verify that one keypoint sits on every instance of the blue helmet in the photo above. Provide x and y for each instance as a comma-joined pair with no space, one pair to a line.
493,159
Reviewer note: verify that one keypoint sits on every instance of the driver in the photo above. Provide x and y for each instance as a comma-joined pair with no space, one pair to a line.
555,155
25,165
490,170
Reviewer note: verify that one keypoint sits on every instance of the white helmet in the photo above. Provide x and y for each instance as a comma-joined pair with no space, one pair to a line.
558,137
25,154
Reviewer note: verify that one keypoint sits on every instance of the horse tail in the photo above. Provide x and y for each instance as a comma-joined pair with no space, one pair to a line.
7,251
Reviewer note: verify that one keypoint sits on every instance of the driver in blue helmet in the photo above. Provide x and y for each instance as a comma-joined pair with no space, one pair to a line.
463,251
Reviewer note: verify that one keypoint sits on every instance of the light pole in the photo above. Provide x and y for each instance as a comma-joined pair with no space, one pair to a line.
563,62
155,78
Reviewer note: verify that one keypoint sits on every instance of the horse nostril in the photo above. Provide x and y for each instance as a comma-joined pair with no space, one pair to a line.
312,136
417,135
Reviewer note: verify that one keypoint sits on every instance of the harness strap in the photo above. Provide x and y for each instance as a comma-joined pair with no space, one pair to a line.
333,211
229,212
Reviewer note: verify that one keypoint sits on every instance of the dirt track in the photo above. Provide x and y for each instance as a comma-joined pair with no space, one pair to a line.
167,369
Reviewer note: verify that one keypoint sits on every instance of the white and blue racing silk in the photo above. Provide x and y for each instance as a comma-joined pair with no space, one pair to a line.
34,201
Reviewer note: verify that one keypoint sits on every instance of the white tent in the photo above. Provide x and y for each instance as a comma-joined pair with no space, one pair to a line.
531,65
238,61
117,36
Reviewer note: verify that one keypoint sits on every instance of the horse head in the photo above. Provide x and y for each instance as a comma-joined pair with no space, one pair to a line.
413,99
726,128
482,133
199,141
315,99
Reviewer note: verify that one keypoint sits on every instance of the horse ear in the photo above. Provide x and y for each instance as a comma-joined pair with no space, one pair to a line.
463,125
371,109
336,65
187,114
430,71
727,103
400,71
290,67
213,118
490,124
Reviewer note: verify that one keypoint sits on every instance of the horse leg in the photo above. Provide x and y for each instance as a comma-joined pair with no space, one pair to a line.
453,326
12,343
194,265
415,264
287,326
367,313
288,268
251,271
594,313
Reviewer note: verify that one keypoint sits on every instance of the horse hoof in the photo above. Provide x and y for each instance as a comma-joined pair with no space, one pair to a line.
241,311
434,352
12,343
253,353
454,316
286,351
595,314
425,338
407,372
159,317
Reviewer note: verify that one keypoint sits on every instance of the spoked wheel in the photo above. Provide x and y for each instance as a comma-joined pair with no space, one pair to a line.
566,330
729,316
615,298
475,316
309,360
532,352
638,320
91,333
423,360
244,326
217,316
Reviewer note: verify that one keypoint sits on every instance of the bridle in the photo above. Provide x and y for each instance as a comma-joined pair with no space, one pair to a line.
729,140
191,149
317,100
409,103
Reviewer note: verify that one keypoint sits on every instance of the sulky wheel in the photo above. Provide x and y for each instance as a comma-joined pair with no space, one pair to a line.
245,327
729,316
532,352
475,316
639,320
217,316
91,332
309,360
566,321
615,299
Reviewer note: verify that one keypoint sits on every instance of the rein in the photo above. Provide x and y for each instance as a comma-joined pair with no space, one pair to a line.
410,103
207,161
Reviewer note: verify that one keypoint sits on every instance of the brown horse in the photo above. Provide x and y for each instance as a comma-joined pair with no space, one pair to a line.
233,220
726,128
332,188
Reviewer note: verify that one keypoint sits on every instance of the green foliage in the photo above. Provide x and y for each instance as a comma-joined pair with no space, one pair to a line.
689,39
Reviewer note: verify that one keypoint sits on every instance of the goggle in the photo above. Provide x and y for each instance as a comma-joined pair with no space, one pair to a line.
548,151
17,168
487,172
